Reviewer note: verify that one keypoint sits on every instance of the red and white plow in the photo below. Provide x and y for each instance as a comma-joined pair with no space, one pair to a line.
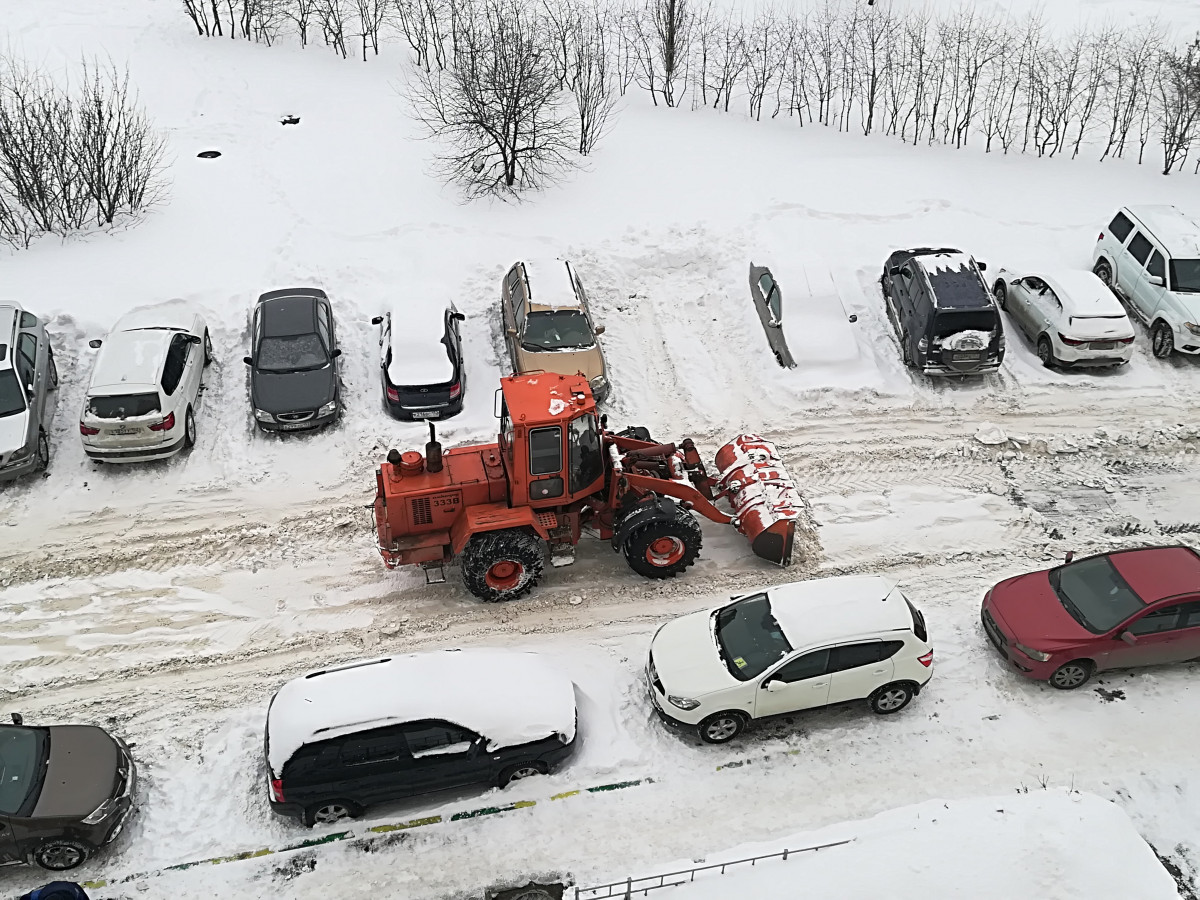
765,502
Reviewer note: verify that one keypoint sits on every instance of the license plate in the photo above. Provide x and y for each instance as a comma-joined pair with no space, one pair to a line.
426,414
1103,345
124,431
294,426
969,357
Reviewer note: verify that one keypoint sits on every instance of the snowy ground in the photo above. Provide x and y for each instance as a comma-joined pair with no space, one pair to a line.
168,601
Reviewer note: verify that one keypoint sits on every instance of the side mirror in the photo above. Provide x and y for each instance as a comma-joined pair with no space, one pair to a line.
1157,280
95,343
774,685
377,320
194,339
18,719
1070,556
248,360
1129,637
336,353
29,390
982,266
599,329
459,316
894,271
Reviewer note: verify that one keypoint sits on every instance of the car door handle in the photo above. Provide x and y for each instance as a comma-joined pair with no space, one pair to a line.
878,671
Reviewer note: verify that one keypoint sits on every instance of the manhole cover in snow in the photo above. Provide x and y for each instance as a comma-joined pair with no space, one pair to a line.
208,154
290,120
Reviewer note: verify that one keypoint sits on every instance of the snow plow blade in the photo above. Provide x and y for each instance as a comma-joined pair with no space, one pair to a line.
765,502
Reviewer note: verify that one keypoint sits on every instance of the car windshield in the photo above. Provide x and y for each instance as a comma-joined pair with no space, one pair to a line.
294,353
749,638
948,323
22,761
566,329
1185,275
123,406
1095,594
12,398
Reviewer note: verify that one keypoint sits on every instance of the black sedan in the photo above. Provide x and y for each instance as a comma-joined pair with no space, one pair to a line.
421,361
294,382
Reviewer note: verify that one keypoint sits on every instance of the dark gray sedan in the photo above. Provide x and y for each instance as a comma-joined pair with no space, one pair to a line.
768,303
294,378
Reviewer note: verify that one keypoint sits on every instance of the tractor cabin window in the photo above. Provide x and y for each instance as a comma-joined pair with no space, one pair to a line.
585,459
545,450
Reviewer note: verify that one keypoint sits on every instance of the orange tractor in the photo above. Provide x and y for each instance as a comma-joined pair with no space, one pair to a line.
556,470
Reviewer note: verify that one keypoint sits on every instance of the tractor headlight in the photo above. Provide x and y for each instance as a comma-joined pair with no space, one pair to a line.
1033,654
328,409
599,386
1192,327
263,416
100,813
683,702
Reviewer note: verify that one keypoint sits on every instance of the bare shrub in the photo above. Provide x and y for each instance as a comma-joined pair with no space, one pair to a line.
1177,96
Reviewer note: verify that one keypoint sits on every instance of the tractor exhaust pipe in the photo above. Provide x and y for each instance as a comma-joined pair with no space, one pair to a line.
433,452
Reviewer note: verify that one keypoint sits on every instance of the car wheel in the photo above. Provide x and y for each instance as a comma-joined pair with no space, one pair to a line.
1162,340
43,452
329,812
891,698
53,372
722,727
1001,295
60,855
208,354
1103,271
503,565
189,428
1071,675
521,771
1045,351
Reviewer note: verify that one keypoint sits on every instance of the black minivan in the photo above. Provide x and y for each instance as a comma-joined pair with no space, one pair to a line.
421,361
944,316
348,737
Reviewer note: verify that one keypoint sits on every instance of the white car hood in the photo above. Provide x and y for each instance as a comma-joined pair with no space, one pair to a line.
686,657
12,432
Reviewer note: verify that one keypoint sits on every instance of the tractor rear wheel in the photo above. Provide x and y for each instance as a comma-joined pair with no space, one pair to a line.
664,547
503,565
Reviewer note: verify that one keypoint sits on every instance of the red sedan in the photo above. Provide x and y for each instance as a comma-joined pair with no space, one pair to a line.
1111,611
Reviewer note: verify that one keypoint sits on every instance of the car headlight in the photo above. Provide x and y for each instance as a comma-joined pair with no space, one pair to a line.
20,454
683,702
1033,654
328,409
1192,327
263,416
100,813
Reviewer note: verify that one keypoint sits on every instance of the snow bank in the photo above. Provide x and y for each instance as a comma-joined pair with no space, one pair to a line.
508,697
1050,845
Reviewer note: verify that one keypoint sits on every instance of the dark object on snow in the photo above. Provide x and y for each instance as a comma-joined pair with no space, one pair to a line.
531,891
57,890
768,303
208,154
942,311
290,120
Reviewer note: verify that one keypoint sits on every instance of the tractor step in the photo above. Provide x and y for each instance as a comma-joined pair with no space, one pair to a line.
434,573
562,555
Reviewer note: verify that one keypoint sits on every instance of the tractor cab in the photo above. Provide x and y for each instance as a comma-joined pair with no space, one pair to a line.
550,439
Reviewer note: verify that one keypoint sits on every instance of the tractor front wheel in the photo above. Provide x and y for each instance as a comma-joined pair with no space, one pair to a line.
665,547
503,565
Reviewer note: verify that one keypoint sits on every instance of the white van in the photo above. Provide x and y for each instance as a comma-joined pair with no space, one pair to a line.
1150,255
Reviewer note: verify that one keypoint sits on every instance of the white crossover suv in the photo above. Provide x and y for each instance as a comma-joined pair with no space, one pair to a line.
787,648
1150,255
145,385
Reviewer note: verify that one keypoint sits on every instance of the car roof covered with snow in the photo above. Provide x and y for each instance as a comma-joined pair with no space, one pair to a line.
955,280
131,357
826,610
1082,294
1171,225
419,355
507,696
550,284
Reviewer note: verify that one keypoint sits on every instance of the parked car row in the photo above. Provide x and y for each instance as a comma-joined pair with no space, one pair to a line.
348,737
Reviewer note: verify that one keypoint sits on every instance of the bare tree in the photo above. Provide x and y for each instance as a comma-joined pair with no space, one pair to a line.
874,54
663,39
1177,97
332,15
763,57
199,11
591,78
726,52
372,14
496,108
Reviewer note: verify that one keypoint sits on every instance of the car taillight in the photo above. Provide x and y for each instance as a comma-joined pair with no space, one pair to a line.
1127,340
455,390
1070,342
166,424
393,394
277,790
1101,236
926,660
87,429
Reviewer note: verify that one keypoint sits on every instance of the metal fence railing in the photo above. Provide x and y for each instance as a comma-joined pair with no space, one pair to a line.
625,890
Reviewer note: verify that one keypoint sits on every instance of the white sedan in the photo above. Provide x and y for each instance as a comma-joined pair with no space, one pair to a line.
1070,316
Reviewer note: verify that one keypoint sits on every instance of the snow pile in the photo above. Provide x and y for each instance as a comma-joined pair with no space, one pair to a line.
509,698
1052,846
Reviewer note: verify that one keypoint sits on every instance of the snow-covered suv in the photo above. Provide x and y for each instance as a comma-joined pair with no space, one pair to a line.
787,648
27,377
145,385
1150,255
